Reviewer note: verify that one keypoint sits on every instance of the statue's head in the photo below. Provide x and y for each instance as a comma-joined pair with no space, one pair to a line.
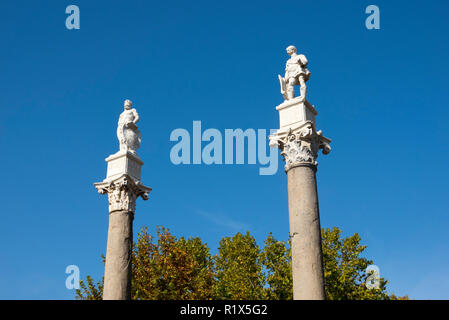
128,104
291,50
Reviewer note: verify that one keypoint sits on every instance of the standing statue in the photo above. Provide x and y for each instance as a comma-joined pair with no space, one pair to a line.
127,133
296,73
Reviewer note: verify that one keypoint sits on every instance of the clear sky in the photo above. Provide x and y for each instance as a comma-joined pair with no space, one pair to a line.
381,95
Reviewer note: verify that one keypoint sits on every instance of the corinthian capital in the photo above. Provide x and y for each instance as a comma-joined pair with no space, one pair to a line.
122,193
301,146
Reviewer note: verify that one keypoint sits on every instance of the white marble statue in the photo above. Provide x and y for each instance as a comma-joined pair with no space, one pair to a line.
296,73
127,132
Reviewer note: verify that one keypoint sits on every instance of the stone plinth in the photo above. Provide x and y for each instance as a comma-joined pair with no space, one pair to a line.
294,113
124,162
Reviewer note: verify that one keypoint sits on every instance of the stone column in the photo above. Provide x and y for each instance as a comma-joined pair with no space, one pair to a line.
299,143
118,268
305,233
123,187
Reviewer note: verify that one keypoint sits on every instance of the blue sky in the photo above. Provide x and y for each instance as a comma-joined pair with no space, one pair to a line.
381,95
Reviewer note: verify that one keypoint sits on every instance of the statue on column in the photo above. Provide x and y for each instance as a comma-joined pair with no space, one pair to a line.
127,132
123,186
296,73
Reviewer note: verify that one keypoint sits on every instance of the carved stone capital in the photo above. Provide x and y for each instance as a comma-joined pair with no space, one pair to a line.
301,146
122,193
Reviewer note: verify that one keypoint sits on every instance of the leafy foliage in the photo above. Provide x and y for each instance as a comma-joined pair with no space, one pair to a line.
344,269
89,291
276,259
168,268
239,271
171,268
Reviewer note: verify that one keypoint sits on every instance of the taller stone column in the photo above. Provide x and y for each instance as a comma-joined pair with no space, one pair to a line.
299,142
123,187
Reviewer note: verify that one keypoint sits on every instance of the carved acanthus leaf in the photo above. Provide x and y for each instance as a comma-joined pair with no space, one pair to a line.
123,192
301,146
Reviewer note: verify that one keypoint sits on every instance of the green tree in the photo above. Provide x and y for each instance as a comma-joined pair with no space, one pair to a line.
239,269
89,291
276,260
171,268
344,268
164,269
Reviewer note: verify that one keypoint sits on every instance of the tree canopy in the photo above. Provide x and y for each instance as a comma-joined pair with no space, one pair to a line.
167,268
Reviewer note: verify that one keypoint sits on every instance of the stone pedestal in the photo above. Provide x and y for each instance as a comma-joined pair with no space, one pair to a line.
124,162
294,113
123,187
299,142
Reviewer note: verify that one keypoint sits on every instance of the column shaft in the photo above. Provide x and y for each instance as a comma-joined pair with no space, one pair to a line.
117,274
305,233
